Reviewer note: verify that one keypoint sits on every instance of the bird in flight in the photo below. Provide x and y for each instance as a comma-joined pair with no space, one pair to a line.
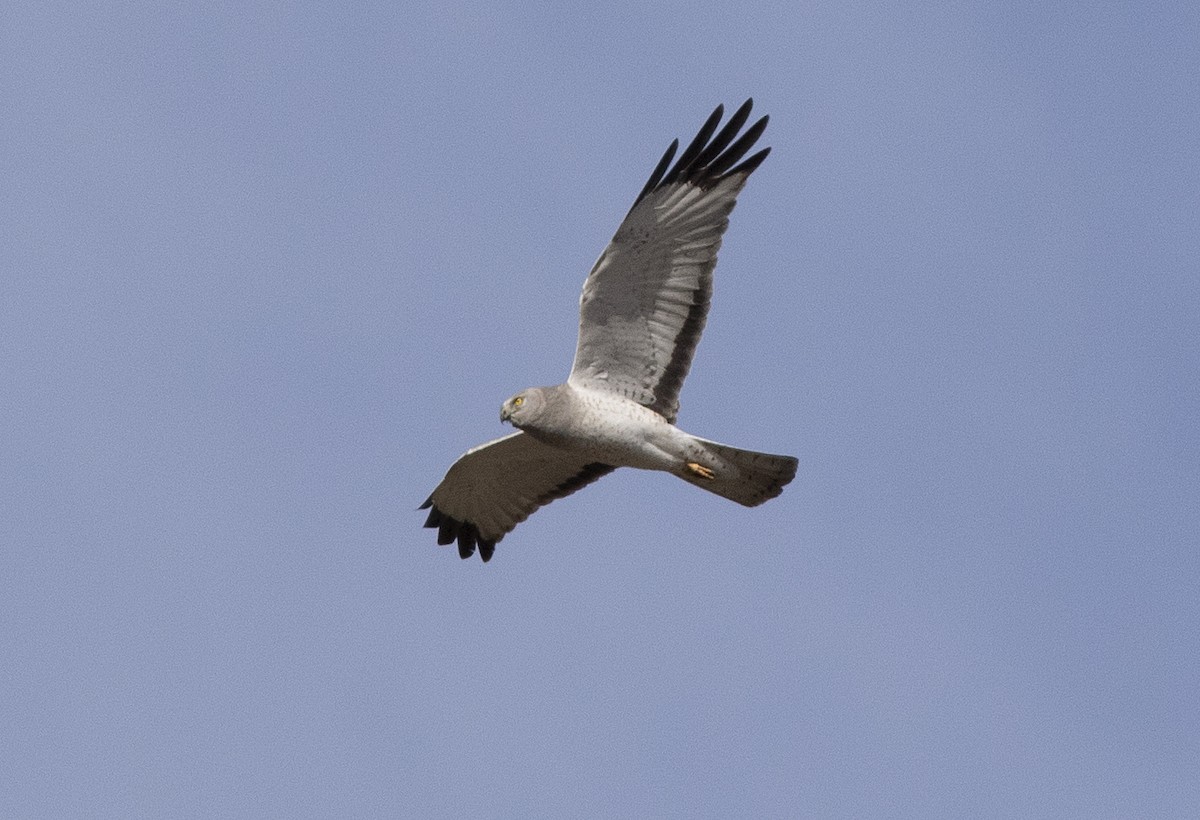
643,308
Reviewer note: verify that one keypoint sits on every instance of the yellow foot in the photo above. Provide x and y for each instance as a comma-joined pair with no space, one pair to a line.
701,470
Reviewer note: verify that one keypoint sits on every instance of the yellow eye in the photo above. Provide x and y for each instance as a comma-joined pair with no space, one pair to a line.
518,401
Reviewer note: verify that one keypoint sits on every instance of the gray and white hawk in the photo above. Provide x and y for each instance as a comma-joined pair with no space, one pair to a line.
642,310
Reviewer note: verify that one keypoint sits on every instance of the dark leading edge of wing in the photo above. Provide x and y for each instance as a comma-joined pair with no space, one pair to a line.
467,534
705,163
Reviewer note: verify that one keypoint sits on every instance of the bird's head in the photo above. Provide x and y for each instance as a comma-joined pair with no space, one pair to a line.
523,408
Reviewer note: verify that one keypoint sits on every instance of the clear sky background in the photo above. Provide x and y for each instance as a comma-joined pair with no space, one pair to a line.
267,269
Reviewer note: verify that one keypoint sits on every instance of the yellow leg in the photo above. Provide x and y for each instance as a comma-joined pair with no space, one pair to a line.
701,470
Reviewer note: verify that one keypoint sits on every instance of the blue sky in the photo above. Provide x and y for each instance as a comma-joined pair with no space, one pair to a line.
269,268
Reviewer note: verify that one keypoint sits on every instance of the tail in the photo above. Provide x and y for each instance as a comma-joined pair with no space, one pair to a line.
744,476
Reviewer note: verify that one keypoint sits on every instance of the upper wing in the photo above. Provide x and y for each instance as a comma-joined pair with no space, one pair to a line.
495,486
646,299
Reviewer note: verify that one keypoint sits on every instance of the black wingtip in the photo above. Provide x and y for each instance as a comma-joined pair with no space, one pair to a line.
723,139
708,159
657,174
466,542
464,533
719,165
749,165
688,158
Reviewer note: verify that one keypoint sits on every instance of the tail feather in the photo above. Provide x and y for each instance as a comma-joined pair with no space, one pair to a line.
744,476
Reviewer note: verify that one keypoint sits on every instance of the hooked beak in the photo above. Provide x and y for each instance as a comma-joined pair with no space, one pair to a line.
504,414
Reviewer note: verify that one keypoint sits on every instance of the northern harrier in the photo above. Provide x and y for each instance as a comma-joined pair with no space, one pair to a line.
640,317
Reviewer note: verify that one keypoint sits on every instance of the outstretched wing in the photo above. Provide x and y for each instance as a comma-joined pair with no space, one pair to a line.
646,299
495,486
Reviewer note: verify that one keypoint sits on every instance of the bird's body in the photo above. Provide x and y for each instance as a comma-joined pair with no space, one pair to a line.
594,424
642,311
